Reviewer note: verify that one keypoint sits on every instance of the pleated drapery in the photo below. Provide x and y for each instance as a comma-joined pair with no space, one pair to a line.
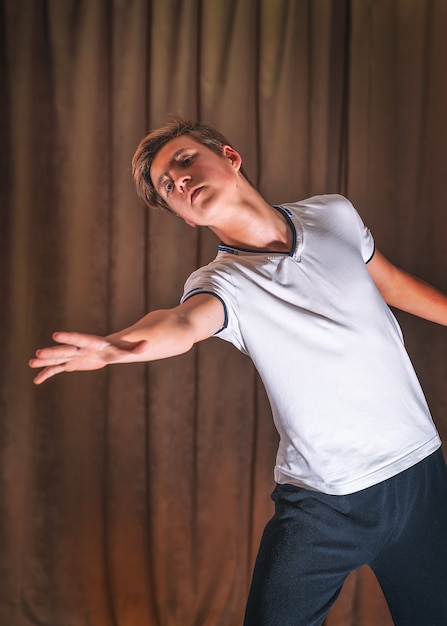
136,495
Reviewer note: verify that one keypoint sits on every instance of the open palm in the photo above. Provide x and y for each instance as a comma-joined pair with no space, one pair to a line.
81,352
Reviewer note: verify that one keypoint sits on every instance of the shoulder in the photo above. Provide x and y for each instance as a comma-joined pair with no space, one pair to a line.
323,209
215,277
322,201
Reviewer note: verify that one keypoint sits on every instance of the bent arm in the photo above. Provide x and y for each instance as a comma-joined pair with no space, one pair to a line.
406,292
158,335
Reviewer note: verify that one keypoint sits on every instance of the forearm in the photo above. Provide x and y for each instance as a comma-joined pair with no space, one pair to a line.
170,332
158,335
166,332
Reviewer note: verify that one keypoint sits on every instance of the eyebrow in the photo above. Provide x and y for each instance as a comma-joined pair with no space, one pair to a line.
171,161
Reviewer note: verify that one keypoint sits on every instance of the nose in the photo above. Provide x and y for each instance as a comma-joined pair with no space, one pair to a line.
182,181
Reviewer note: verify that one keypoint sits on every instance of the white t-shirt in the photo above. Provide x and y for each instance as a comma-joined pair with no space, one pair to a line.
345,399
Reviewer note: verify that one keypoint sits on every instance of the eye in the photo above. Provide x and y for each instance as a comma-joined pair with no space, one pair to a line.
187,160
168,186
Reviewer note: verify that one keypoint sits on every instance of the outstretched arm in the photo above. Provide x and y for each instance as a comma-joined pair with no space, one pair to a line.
406,292
158,335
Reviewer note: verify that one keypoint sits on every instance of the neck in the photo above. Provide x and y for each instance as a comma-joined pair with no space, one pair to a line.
256,226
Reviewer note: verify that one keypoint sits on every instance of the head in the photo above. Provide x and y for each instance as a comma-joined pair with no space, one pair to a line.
175,126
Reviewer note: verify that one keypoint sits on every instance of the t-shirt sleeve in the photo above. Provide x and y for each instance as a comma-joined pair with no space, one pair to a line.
367,244
217,282
344,210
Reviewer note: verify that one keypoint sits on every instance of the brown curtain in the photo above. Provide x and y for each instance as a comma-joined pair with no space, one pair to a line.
136,496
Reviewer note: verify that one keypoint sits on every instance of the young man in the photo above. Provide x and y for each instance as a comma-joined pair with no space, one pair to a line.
301,289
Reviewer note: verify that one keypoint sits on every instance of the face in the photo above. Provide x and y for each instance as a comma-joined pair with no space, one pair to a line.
196,182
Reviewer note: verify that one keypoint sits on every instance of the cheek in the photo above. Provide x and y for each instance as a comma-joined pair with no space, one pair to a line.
220,175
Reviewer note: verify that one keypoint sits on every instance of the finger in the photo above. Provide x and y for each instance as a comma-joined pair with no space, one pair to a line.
139,347
47,373
80,340
57,352
35,363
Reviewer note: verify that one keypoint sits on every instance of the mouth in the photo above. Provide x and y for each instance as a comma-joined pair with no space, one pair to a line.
195,193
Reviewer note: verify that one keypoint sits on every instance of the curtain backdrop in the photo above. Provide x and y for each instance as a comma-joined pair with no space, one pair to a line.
136,496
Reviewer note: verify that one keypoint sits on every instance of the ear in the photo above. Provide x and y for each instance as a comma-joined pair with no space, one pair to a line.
233,156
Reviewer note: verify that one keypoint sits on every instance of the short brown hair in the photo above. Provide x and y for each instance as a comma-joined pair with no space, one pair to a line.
175,126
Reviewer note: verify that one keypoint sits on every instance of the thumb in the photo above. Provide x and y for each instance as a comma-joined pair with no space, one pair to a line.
139,346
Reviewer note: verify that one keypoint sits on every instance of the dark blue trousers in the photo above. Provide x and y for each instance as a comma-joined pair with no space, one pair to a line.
314,540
